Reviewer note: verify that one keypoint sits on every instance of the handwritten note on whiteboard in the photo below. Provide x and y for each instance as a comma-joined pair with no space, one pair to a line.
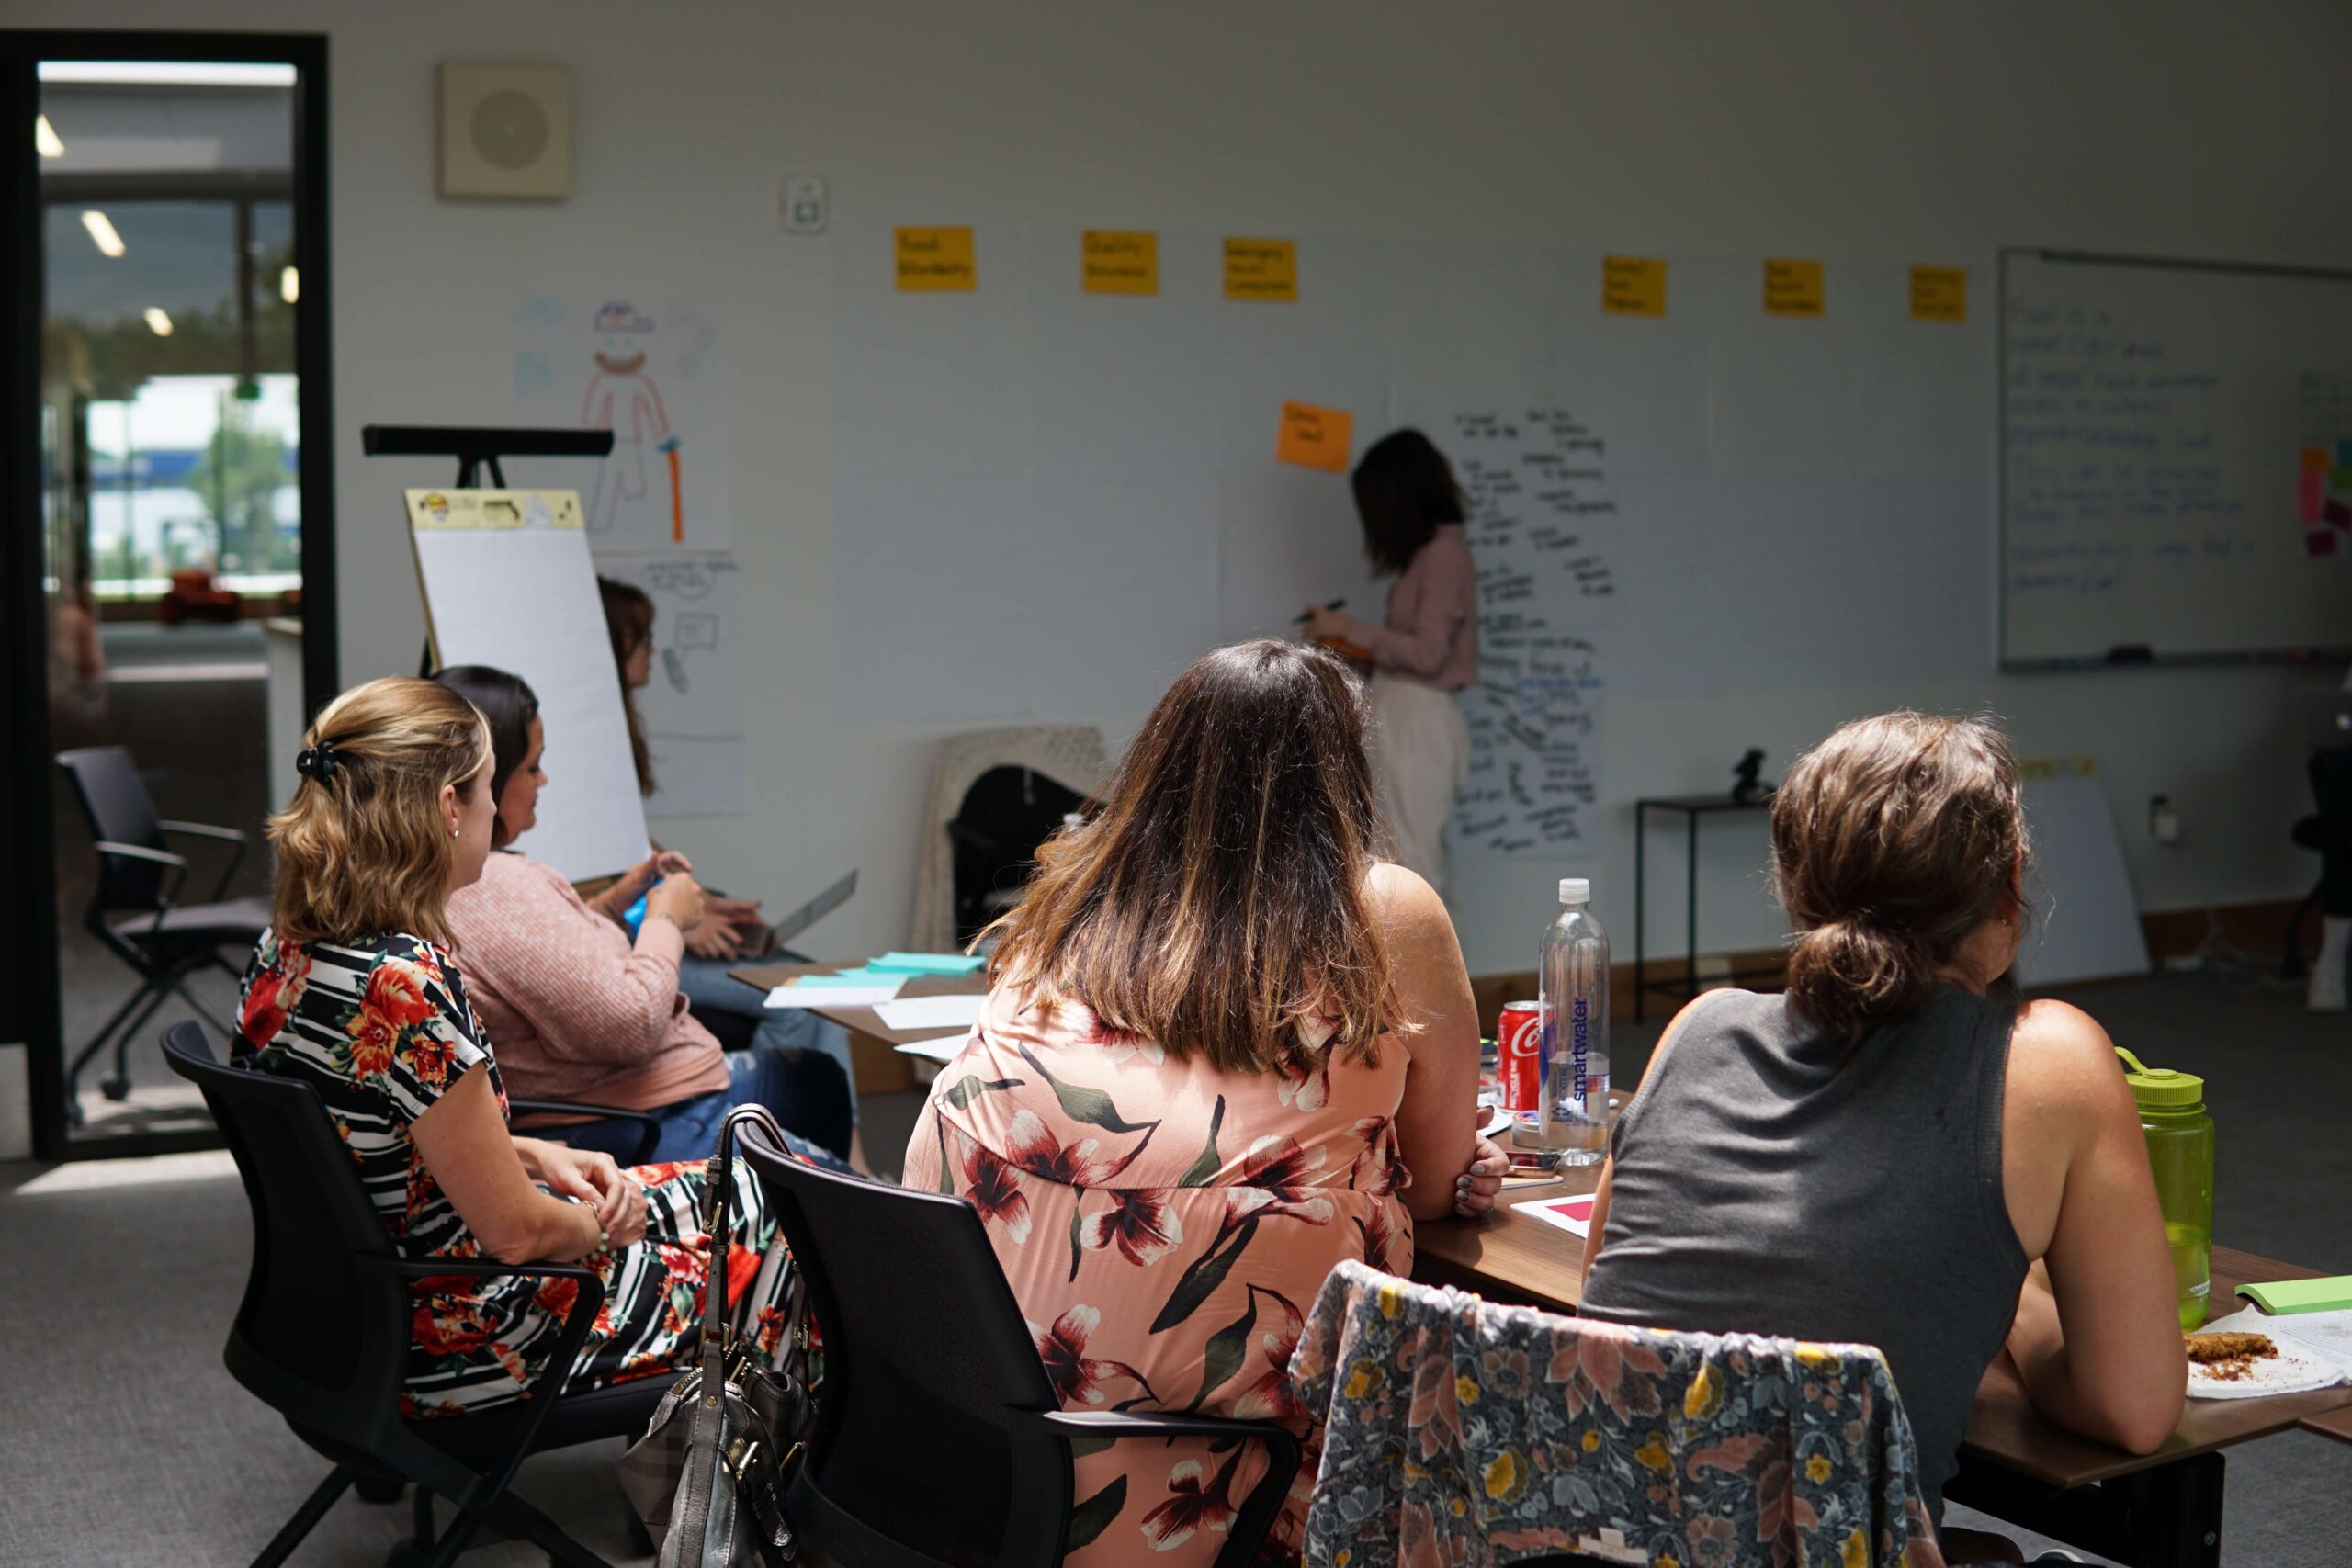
1541,514
1315,438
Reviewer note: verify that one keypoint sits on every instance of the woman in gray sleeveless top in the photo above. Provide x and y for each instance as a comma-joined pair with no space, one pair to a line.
1882,1155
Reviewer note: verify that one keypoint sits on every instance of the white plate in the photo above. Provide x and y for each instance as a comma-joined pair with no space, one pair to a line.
2291,1370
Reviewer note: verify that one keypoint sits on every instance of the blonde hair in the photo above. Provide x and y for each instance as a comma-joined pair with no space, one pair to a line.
1215,904
362,848
1891,841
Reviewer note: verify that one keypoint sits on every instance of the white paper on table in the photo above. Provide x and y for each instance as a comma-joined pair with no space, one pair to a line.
2314,1351
932,1013
1573,1214
945,1049
799,996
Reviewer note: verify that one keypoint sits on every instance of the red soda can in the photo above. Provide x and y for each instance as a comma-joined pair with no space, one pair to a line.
1518,1044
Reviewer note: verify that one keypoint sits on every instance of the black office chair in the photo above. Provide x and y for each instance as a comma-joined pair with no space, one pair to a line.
2331,779
321,1336
136,911
929,1371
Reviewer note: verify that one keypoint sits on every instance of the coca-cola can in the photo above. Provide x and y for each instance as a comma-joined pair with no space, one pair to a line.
1519,1041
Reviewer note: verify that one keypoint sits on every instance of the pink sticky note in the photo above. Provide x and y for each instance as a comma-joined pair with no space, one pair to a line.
2319,542
1571,1214
2311,495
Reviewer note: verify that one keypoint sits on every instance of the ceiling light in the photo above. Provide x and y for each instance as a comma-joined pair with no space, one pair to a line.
45,139
289,286
158,323
102,232
167,72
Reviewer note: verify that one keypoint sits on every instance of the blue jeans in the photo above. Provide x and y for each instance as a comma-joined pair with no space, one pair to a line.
709,989
785,1083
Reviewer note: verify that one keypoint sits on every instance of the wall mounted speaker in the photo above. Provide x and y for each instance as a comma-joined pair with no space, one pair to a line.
505,130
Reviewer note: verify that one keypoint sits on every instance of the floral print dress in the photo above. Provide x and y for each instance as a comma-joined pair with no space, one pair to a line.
1163,1224
379,1026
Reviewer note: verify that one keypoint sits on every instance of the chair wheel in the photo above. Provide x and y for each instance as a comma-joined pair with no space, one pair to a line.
114,1087
379,1488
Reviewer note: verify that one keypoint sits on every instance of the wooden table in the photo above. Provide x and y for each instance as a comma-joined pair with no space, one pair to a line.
880,1069
2161,1510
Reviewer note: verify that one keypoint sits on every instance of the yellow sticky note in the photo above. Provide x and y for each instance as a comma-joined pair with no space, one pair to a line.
1792,289
1632,286
1939,294
1261,269
1112,261
936,261
1314,437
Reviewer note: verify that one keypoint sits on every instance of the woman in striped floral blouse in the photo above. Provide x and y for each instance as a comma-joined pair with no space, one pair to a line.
355,991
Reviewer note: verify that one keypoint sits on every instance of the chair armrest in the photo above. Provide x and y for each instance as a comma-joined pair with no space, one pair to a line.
234,836
648,1130
175,865
1256,1515
577,1323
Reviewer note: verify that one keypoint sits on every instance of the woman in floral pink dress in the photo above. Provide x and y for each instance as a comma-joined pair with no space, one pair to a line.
1226,1048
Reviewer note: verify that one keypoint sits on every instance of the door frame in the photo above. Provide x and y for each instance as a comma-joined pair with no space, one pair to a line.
30,1007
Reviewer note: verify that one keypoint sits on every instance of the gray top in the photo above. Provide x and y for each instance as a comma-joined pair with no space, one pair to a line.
1769,1182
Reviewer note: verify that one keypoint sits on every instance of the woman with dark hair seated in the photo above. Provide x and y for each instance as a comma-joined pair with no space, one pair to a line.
1227,1046
356,990
580,1010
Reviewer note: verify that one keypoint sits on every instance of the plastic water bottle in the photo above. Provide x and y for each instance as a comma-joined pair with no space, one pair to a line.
1573,980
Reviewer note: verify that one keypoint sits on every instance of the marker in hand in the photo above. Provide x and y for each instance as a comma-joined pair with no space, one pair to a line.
1334,605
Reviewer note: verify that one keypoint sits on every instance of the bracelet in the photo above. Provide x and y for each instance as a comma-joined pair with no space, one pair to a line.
661,915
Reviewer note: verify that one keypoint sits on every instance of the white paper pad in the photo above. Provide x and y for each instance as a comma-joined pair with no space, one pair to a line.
932,1013
2303,1361
797,995
942,1050
1573,1215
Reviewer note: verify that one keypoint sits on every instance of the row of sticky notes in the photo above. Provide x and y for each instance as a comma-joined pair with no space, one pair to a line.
2326,477
1126,261
1110,261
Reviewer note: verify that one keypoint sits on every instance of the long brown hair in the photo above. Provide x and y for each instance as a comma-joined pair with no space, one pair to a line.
1403,489
629,623
1891,841
507,705
1215,904
361,847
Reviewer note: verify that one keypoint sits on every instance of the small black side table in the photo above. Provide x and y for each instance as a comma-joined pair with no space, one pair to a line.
1691,807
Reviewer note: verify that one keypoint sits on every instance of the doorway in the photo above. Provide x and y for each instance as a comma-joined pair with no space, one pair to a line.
169,548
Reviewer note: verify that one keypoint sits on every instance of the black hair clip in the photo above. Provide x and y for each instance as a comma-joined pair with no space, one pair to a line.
316,761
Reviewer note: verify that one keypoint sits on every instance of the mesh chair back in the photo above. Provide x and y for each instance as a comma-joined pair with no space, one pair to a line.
116,803
316,1336
925,1351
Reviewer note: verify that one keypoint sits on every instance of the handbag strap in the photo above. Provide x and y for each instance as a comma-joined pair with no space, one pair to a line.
717,1224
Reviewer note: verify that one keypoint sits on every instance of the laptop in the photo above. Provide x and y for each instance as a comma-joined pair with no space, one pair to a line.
2328,717
816,909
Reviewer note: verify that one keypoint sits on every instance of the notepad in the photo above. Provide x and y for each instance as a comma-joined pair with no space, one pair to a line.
927,962
942,1050
2286,1296
930,1012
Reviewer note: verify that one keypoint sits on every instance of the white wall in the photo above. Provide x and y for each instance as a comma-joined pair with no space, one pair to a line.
1800,129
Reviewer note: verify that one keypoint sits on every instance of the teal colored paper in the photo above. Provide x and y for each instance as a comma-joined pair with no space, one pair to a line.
925,964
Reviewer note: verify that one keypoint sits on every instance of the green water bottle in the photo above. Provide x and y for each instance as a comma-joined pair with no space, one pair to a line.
2180,1152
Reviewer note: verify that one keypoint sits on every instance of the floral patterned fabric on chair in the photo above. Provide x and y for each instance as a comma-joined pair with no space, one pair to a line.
1460,1434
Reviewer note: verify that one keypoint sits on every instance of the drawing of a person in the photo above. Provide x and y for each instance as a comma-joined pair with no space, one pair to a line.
624,400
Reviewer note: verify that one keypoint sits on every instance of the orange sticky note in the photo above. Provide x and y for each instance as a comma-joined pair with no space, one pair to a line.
1792,289
1632,286
1314,437
936,261
1261,269
1112,261
2314,460
1939,294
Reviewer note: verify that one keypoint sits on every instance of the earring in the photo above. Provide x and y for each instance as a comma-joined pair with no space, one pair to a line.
453,833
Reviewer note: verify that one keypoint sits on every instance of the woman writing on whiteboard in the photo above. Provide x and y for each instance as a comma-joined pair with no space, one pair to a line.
1425,649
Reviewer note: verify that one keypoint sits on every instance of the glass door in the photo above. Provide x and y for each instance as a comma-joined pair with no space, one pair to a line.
169,366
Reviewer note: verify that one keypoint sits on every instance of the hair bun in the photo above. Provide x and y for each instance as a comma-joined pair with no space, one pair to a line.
1844,972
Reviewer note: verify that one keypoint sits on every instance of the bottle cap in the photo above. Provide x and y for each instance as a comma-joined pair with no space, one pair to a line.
1575,890
2161,1089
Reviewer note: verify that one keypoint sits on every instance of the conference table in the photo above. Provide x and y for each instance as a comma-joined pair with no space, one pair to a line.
2159,1510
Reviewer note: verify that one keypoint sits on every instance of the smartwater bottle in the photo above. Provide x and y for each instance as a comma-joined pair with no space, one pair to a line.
1574,983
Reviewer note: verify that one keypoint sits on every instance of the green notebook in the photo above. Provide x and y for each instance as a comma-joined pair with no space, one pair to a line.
2330,1294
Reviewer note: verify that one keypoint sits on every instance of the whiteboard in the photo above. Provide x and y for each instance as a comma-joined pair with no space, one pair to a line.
2175,445
507,583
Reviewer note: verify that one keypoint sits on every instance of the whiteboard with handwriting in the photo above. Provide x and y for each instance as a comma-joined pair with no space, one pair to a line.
2175,460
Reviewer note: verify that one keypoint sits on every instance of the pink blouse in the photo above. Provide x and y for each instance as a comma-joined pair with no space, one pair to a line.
1431,633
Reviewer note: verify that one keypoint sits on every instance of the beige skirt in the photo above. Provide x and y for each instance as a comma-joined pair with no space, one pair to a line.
1421,756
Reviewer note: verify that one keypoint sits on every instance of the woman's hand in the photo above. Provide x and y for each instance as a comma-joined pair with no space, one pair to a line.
1474,1189
584,1174
679,898
1323,623
632,884
713,938
726,912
